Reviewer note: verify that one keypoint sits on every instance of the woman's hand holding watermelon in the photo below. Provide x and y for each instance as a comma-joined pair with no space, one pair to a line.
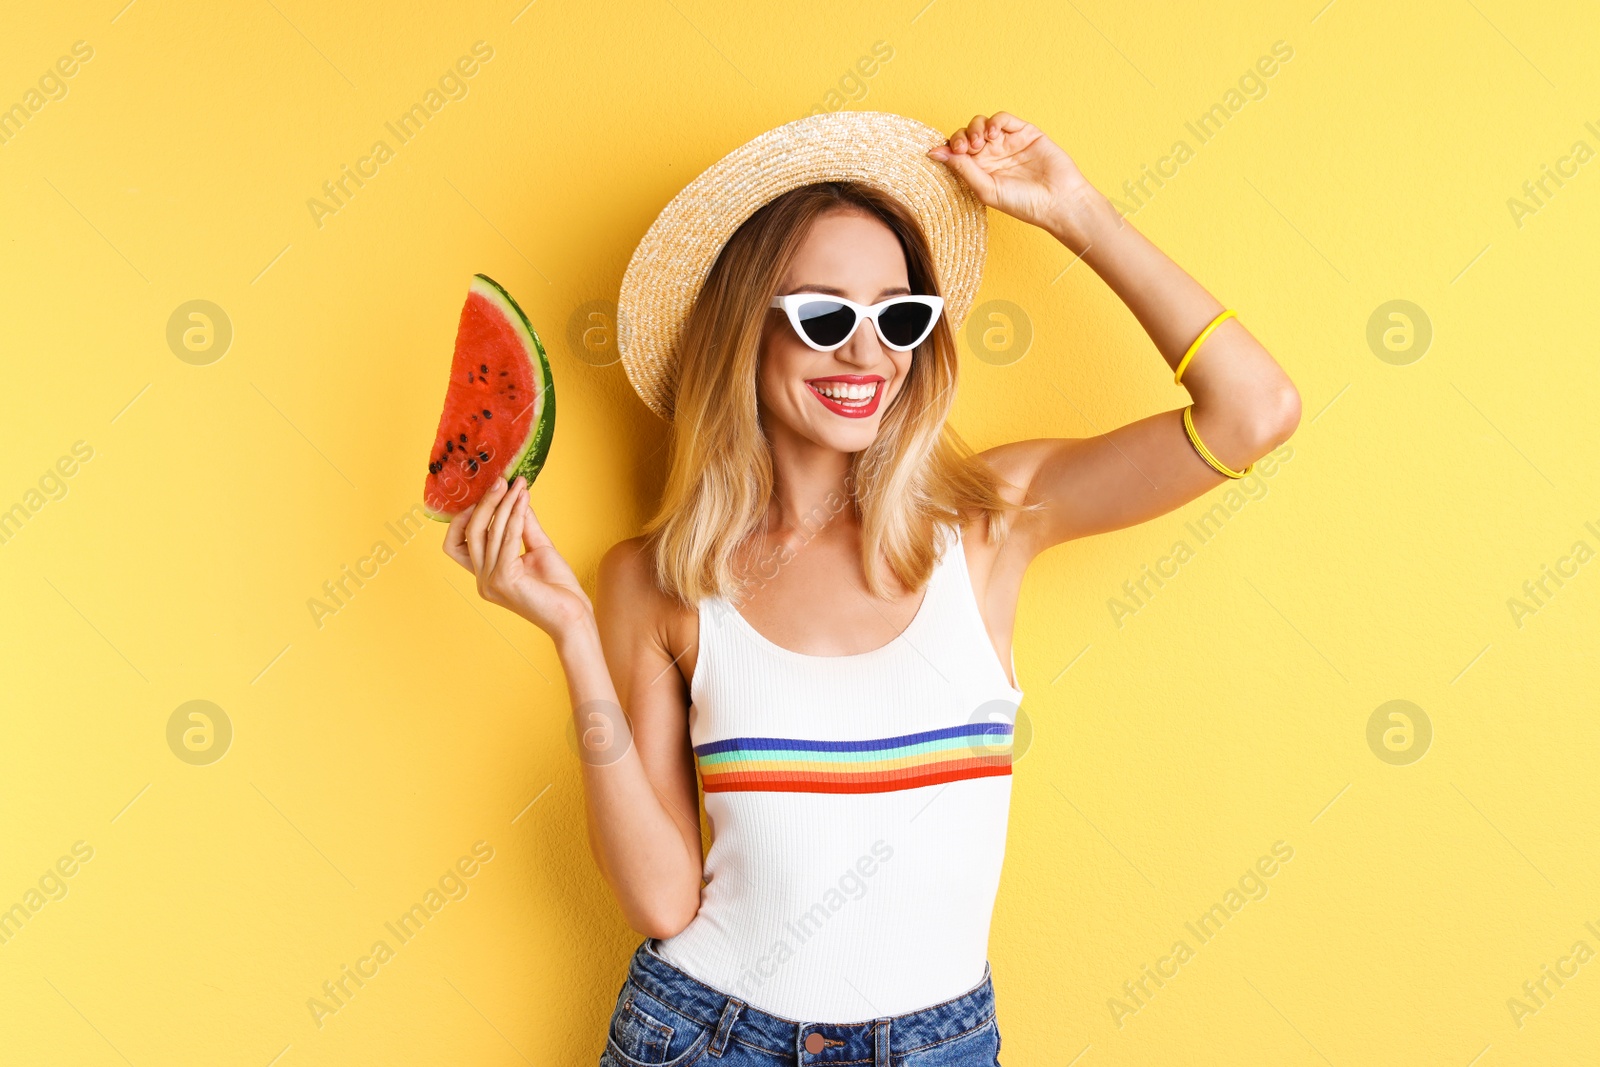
488,538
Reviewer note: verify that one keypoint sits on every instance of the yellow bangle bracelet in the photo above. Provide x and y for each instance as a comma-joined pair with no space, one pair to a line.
1177,375
1205,453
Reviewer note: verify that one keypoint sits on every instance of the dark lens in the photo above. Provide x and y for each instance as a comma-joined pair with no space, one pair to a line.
904,324
827,322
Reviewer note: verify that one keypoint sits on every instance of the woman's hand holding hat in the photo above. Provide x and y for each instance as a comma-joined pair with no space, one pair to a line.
1011,166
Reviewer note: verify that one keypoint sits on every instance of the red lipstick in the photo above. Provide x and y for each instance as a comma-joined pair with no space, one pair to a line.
850,408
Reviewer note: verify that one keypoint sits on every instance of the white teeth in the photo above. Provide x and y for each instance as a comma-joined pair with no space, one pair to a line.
846,391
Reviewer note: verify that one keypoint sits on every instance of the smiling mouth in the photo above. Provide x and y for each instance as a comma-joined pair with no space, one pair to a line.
851,398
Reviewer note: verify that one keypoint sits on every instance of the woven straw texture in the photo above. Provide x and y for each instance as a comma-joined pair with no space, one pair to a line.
874,148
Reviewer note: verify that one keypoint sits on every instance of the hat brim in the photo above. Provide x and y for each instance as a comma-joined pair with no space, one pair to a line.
886,151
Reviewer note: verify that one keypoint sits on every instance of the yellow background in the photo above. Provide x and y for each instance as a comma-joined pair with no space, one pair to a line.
1228,713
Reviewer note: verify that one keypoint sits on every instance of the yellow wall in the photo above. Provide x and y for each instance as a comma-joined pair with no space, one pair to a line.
1229,712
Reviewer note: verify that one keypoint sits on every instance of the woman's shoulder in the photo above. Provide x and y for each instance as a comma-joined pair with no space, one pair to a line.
627,589
625,557
627,571
645,631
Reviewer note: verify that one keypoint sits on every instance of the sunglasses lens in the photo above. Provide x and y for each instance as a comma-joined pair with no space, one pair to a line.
904,324
826,322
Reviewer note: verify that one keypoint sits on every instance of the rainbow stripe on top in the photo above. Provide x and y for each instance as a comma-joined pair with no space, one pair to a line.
879,765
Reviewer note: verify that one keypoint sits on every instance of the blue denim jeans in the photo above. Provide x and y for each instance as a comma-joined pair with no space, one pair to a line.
664,1018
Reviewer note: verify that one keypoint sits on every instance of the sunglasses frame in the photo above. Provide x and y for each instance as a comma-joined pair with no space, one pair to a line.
791,304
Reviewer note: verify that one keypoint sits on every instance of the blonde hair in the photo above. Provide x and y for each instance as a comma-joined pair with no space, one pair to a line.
917,472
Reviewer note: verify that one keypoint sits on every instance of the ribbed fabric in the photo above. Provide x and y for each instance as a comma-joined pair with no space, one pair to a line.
858,811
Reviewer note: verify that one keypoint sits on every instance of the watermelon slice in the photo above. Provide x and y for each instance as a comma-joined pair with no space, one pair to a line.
500,410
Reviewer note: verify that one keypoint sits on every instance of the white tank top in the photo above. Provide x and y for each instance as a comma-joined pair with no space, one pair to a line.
858,810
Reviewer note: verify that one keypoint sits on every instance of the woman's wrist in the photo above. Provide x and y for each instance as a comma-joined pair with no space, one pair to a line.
583,661
1081,217
577,638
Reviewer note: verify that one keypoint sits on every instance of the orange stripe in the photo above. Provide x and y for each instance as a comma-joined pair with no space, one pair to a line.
822,782
834,775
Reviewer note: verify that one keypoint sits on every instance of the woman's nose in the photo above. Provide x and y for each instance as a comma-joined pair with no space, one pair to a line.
863,348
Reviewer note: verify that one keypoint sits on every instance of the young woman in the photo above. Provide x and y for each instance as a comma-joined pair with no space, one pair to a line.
819,618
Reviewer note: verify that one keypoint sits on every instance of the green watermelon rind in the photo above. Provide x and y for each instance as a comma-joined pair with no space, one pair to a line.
531,458
544,433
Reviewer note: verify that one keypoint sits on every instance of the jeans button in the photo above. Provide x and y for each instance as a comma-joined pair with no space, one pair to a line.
814,1043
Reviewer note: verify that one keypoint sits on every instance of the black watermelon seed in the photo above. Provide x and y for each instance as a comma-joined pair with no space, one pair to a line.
486,414
472,464
502,374
484,456
484,367
449,446
463,438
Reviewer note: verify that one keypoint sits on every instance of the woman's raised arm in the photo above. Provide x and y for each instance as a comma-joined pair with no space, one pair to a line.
1244,404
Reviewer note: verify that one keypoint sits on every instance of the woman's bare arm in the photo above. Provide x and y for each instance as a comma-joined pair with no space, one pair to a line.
644,827
1244,403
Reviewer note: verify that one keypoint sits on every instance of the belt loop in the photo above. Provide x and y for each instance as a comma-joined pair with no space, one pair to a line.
730,1013
880,1044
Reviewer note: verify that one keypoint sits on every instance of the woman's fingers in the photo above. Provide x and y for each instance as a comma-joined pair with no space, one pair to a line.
971,139
977,132
495,534
1003,122
510,554
972,173
482,512
981,131
455,545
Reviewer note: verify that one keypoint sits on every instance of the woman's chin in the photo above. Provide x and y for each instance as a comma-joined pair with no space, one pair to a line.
822,427
827,433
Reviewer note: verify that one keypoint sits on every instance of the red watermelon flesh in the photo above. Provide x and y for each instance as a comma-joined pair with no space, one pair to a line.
499,410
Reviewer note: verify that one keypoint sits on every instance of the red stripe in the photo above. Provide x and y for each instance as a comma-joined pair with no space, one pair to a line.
777,782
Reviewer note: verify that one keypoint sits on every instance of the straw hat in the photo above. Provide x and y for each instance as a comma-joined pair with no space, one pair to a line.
672,261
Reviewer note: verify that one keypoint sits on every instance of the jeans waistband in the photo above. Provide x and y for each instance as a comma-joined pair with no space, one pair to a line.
870,1041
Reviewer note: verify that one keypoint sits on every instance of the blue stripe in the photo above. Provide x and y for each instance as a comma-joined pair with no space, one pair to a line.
931,749
791,744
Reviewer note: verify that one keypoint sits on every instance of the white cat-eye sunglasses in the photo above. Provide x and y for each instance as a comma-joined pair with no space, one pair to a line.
825,323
